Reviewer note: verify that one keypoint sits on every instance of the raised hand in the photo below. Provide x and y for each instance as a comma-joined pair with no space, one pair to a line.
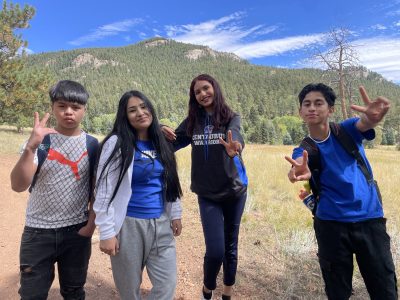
299,170
39,131
169,133
373,111
232,147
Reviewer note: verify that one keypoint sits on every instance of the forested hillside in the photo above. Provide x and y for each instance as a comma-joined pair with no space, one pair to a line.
265,97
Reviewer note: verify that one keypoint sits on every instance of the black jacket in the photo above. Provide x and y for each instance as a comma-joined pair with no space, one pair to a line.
215,175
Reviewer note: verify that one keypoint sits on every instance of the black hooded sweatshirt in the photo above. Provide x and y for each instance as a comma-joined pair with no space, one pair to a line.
215,175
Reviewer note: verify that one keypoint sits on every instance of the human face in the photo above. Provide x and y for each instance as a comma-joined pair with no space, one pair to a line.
68,115
139,116
204,93
315,109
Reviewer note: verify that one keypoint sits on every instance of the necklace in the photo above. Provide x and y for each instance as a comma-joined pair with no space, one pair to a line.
324,140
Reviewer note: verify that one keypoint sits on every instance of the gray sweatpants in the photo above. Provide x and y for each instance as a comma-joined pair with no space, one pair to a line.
150,243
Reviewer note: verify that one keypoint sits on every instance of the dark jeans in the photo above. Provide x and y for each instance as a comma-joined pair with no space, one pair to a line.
221,222
41,249
368,240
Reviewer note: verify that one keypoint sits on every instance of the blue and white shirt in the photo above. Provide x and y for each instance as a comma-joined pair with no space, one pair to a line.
147,200
345,195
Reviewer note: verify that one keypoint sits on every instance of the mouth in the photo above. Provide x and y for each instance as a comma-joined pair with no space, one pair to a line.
69,120
141,120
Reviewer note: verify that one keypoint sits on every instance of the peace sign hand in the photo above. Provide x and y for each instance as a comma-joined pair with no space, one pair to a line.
373,111
39,131
232,147
299,170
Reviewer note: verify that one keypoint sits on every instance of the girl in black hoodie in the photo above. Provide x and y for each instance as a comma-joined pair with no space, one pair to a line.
218,176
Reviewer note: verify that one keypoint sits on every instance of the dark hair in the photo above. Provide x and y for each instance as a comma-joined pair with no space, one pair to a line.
222,112
126,143
70,91
325,90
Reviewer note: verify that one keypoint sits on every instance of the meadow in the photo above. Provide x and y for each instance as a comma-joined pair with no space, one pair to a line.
277,254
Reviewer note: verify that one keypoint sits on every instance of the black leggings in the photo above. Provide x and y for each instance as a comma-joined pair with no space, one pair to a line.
221,222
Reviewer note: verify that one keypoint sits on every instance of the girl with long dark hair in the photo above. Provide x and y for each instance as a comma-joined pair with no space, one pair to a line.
137,202
218,176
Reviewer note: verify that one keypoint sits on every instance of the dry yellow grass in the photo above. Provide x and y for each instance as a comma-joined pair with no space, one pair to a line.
277,241
277,246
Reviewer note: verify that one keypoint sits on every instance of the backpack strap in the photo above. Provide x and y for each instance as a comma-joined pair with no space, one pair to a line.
92,146
350,146
314,158
314,163
42,152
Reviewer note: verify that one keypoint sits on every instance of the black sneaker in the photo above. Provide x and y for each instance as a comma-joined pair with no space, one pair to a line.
206,296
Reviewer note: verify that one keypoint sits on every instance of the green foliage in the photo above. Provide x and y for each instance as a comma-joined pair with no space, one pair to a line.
389,137
168,123
101,124
21,92
163,69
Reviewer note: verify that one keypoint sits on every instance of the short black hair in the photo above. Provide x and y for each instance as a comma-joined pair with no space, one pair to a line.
70,91
324,89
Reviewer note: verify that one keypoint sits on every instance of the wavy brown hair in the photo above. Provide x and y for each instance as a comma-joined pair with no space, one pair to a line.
222,112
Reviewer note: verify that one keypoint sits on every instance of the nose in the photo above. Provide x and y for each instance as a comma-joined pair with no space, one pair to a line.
311,107
139,111
68,110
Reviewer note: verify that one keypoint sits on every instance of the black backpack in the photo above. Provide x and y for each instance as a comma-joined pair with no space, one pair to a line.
92,146
314,159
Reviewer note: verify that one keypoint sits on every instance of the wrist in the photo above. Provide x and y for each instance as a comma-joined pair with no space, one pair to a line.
31,147
366,122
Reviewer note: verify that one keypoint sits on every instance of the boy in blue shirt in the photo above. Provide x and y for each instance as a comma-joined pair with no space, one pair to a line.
349,216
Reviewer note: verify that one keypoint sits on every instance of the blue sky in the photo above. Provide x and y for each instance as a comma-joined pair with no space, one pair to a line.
275,33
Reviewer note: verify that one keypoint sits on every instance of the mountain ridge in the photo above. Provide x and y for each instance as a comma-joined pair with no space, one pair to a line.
163,69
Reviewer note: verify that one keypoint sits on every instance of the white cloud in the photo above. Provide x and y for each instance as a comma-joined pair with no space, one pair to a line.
381,55
105,31
226,34
397,23
143,35
394,13
379,27
275,47
27,51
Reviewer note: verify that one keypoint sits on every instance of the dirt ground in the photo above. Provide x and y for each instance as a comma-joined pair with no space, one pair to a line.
100,284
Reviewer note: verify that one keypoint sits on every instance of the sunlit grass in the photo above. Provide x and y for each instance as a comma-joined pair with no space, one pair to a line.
277,241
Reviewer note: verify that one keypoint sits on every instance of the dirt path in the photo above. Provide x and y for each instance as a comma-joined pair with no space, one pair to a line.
100,285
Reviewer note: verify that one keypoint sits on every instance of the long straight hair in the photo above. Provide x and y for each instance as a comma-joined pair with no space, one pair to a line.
127,143
222,113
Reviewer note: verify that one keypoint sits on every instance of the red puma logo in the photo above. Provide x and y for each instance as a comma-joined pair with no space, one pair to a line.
55,155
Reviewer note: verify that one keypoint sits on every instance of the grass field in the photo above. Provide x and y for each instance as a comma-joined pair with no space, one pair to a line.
277,244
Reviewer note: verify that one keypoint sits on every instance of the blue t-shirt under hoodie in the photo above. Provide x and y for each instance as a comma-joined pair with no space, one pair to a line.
345,195
147,183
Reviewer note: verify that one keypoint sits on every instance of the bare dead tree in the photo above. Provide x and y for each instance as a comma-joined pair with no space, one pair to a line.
342,64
